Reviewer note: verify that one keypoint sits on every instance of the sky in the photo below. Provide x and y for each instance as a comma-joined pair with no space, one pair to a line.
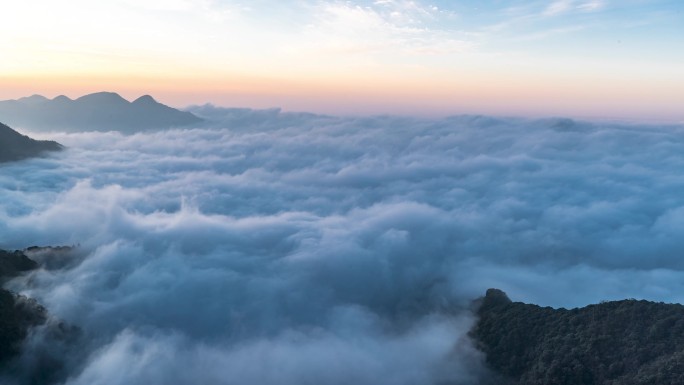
603,59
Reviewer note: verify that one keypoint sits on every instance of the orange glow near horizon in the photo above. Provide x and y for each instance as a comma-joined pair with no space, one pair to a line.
383,57
433,95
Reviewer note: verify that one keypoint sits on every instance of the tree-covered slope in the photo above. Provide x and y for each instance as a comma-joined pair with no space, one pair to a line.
34,346
622,342
17,314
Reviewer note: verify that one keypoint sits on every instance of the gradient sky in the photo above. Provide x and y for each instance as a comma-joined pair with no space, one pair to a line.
621,59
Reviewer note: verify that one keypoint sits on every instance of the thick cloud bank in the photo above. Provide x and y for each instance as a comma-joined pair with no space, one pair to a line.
280,248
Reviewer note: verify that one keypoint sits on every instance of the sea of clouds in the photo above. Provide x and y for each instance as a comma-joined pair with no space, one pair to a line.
281,248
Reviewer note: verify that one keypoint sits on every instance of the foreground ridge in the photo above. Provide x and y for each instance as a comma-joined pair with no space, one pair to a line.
17,314
15,146
619,342
34,345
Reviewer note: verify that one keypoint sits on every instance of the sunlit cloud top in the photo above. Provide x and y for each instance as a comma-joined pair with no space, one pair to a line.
594,58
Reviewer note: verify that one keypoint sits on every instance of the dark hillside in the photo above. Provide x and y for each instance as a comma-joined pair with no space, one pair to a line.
17,314
623,342
15,146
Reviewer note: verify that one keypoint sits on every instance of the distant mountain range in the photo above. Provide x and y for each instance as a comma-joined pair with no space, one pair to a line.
102,111
625,342
15,146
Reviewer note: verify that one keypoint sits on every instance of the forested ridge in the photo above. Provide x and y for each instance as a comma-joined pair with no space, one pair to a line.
17,313
620,342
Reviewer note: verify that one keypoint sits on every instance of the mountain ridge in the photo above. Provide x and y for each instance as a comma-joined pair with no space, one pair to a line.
100,111
15,146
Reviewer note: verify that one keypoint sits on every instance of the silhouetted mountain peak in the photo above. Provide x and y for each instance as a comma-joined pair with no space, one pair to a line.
145,99
102,97
62,99
33,99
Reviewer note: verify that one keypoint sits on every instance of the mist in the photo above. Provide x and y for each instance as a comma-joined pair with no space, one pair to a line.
282,248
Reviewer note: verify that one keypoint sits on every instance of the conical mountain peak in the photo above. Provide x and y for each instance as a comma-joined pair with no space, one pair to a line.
145,99
61,98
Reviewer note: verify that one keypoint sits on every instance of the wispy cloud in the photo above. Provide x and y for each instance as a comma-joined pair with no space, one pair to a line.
399,27
590,6
560,7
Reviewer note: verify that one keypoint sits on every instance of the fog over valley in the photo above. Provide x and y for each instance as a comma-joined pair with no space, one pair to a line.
270,247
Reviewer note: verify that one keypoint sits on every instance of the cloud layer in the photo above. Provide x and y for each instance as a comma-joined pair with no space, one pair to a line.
283,248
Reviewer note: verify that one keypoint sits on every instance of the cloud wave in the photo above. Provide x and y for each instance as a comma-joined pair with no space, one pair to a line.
284,248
